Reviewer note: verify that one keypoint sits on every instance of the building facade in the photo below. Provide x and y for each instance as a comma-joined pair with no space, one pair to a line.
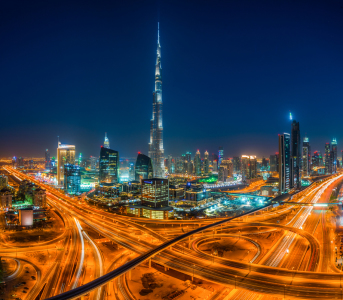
156,151
295,156
155,192
108,166
106,142
143,168
65,155
306,158
220,155
197,163
334,156
284,163
72,179
328,159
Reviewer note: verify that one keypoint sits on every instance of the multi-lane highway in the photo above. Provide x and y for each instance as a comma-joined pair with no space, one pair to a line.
299,240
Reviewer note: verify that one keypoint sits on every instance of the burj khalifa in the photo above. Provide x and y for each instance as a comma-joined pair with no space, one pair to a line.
156,151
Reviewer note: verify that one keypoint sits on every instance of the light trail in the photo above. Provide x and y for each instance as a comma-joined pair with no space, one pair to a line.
99,259
79,270
300,218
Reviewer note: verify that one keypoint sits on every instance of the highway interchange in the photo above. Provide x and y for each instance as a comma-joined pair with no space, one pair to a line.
299,264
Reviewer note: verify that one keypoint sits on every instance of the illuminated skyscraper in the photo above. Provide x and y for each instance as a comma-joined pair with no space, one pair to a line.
206,163
245,167
108,166
220,155
197,163
306,157
156,151
47,160
143,169
334,158
236,164
106,142
65,155
72,179
328,159
274,162
284,162
295,155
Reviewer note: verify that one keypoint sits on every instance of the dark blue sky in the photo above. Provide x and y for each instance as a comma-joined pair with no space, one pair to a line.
232,71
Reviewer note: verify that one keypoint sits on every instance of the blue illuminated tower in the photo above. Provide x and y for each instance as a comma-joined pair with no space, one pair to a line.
156,151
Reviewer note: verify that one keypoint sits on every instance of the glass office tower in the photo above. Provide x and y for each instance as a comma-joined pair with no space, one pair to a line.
72,179
143,169
108,166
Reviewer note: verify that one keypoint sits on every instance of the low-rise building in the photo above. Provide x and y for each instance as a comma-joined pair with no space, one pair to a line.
3,181
5,198
39,197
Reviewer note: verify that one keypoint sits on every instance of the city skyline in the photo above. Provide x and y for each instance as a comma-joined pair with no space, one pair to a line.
192,97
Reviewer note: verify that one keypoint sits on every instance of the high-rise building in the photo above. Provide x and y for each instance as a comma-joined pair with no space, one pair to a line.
223,172
106,142
284,162
156,151
295,155
245,167
20,162
108,166
206,163
79,161
315,159
253,166
47,160
306,157
72,179
334,158
220,155
188,156
144,168
93,161
236,164
274,162
155,192
197,163
65,155
328,159
265,164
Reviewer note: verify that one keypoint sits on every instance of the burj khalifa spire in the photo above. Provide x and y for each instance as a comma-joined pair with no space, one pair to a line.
156,151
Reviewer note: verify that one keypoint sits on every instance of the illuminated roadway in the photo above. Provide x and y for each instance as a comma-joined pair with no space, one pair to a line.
249,276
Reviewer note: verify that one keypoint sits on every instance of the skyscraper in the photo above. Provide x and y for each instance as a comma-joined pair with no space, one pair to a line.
236,164
143,169
197,163
284,162
306,157
245,167
334,158
328,166
47,160
108,166
65,155
220,155
106,142
206,163
156,151
295,155
274,162
72,179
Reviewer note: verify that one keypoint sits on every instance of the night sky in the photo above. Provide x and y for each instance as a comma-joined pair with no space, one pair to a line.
232,71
